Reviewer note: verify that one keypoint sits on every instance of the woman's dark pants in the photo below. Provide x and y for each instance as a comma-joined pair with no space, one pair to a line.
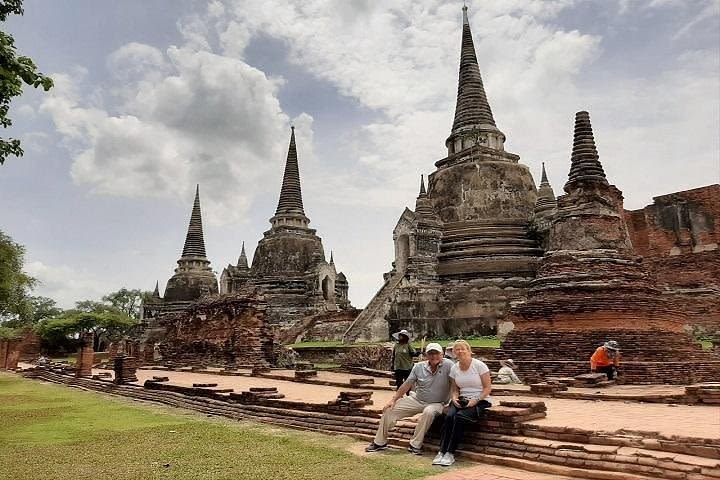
455,422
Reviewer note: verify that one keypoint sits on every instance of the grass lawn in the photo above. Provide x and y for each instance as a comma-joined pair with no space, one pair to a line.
53,432
492,342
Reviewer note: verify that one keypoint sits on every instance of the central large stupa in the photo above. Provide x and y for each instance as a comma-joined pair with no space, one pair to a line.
466,251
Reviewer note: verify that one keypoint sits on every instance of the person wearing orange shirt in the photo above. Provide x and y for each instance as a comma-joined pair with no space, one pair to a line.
606,359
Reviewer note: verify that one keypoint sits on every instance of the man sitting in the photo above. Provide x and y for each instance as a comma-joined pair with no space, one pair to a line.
606,359
432,390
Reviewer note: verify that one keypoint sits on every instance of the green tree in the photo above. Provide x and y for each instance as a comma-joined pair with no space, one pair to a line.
8,333
33,310
15,285
104,321
127,300
14,72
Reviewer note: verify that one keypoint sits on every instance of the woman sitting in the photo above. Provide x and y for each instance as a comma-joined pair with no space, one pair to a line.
470,387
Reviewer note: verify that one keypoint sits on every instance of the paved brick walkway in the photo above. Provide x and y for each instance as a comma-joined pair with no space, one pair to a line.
687,420
494,472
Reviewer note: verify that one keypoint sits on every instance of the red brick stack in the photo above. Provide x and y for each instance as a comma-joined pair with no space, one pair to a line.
707,393
85,356
125,369
348,401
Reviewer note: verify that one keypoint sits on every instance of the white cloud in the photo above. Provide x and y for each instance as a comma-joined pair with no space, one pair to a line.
174,119
35,142
26,111
66,285
400,59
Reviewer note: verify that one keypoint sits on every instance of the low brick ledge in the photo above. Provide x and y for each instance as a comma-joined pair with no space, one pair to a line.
575,459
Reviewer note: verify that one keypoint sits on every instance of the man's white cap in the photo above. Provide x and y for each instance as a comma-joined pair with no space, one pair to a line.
433,347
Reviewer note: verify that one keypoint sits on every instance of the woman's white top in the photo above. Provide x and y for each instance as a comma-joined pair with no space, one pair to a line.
468,381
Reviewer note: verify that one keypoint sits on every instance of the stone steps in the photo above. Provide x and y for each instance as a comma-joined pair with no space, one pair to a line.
489,251
487,241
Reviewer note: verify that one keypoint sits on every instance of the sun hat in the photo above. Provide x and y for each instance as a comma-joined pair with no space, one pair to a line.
433,347
508,363
612,345
396,335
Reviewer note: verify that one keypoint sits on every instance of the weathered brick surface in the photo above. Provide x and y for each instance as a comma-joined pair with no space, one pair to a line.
26,347
85,356
230,330
592,287
678,236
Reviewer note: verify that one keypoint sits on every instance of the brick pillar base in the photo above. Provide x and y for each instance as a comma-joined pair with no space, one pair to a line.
125,368
85,357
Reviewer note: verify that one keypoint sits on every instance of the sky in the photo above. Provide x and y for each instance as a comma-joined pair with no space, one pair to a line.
152,97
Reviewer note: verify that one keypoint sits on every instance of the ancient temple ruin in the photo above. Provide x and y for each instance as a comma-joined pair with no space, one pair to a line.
298,292
473,245
591,286
467,250
289,266
193,276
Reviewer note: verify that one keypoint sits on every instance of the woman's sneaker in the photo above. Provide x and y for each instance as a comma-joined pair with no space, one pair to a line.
447,459
438,458
374,447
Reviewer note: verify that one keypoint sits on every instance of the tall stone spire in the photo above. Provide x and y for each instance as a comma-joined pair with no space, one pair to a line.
546,202
193,276
423,205
242,260
290,211
156,292
194,240
290,194
473,115
585,161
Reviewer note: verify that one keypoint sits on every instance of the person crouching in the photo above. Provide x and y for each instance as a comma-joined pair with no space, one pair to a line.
606,359
432,389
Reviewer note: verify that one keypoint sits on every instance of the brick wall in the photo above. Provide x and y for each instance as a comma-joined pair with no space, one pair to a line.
678,236
230,330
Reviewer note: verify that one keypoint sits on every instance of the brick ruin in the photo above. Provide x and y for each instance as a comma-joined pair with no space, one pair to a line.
85,356
230,330
678,237
289,264
24,348
591,286
482,238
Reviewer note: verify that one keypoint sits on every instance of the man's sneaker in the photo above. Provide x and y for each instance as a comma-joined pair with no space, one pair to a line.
438,458
415,451
374,447
447,459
